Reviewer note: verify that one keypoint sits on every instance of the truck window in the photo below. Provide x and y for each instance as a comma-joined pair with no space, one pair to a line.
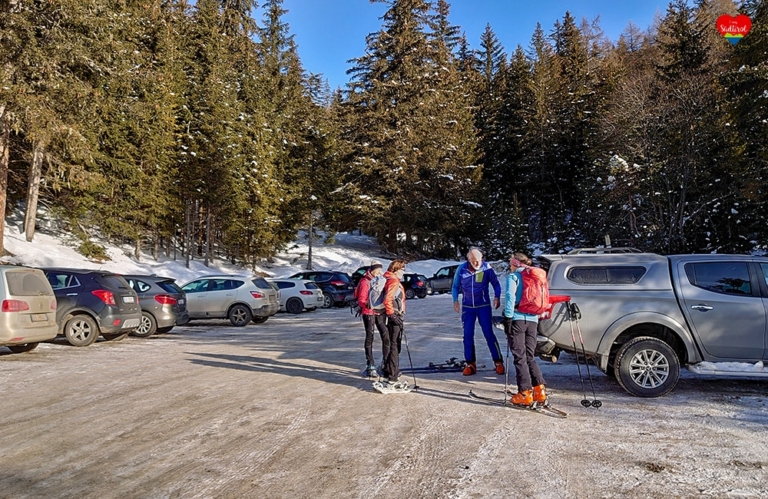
605,275
720,277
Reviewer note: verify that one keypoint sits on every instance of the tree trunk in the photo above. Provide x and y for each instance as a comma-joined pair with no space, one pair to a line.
156,247
311,239
35,172
187,232
208,258
137,249
5,137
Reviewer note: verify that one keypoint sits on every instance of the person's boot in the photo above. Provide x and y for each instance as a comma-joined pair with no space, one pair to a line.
540,395
499,367
371,371
470,369
524,399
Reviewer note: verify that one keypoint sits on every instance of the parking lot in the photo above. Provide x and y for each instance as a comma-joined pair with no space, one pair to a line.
280,409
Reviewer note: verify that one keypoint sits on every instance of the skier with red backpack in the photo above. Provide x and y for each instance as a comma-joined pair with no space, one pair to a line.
370,298
527,297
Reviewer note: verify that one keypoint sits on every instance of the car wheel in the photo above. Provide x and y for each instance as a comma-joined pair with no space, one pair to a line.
327,300
115,336
294,306
81,331
26,347
260,320
147,327
409,294
647,367
164,329
239,315
422,295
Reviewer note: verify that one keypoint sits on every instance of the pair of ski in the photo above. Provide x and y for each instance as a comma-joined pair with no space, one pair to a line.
547,409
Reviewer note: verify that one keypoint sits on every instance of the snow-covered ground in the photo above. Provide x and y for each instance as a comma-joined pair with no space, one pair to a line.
280,410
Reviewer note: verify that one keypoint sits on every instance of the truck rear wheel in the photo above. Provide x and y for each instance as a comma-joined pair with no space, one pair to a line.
647,367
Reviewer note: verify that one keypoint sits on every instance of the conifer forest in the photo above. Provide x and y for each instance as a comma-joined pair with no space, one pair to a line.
192,127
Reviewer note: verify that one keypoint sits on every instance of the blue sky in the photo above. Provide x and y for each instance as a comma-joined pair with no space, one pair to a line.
330,32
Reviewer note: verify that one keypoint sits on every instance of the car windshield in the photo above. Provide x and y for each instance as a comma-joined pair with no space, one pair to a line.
170,287
111,281
261,283
341,277
26,283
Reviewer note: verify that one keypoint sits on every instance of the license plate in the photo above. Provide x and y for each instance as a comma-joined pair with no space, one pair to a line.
131,323
181,301
129,299
39,317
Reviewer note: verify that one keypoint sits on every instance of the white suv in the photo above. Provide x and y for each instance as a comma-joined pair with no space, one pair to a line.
28,308
237,298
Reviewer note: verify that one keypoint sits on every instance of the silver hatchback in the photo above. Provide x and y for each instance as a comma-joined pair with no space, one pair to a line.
237,298
28,308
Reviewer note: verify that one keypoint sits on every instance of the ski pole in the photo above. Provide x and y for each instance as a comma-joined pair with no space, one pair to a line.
405,339
506,370
584,401
577,314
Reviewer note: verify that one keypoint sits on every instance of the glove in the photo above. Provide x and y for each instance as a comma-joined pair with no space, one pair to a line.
395,319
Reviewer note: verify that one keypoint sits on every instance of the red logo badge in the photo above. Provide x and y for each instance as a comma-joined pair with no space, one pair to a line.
734,28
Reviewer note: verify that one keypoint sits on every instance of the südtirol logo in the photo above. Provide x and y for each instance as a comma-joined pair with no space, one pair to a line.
734,28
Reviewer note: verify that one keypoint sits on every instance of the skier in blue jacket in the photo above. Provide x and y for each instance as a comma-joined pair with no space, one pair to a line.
473,278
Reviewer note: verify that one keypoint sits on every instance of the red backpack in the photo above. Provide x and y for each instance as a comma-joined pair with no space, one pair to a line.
535,297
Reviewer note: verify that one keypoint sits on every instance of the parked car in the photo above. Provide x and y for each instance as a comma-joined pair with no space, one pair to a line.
28,308
358,274
163,304
297,295
337,287
646,315
92,303
415,285
442,280
237,298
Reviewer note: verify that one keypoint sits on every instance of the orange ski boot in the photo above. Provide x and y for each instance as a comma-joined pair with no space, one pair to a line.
470,369
523,399
540,395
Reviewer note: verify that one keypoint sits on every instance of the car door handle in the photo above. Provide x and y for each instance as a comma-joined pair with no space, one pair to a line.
71,294
701,308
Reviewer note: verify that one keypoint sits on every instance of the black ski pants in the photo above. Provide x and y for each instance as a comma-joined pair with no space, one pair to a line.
377,321
392,360
521,336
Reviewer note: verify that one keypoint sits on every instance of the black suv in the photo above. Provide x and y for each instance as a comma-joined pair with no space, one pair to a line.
442,281
93,302
337,286
416,285
163,304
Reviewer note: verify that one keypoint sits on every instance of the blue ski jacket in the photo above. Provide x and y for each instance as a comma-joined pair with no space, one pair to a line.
474,285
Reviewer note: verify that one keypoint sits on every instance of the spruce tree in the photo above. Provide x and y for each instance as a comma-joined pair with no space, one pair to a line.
410,134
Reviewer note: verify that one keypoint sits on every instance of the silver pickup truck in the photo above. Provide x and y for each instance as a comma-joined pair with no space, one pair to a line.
644,315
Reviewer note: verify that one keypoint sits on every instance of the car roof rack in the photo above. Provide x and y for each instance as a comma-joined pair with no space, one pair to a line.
582,251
